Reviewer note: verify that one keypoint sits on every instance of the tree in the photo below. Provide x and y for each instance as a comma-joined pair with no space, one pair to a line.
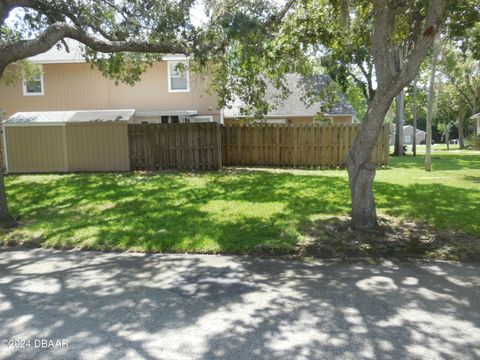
446,108
390,82
316,27
362,35
431,99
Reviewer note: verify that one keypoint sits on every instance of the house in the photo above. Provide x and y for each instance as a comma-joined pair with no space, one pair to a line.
408,136
163,95
294,109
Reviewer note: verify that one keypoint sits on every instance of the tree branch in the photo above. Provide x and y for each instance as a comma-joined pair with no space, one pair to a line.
12,52
433,24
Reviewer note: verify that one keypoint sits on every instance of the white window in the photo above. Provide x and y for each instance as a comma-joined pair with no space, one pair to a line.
33,86
178,76
408,138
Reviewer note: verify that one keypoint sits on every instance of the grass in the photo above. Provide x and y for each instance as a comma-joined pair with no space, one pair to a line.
233,211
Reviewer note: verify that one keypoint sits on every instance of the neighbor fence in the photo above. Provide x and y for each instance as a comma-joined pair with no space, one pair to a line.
208,146
294,145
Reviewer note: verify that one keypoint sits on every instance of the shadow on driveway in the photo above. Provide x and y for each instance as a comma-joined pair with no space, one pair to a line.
114,306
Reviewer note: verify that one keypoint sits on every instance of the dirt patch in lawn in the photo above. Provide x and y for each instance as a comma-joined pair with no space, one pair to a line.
394,238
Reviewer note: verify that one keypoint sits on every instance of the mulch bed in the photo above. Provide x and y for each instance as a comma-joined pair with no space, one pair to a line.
394,238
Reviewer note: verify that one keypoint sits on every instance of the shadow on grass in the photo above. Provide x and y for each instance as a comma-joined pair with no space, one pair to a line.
248,212
443,162
473,179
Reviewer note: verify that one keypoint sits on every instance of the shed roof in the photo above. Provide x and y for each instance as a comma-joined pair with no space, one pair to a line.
294,104
75,116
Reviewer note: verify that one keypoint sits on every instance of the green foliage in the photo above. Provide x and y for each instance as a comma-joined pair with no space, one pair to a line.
125,67
460,85
150,21
23,69
355,97
447,107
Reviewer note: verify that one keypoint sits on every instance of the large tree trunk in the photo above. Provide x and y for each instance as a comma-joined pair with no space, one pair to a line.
5,219
431,98
415,114
361,169
399,106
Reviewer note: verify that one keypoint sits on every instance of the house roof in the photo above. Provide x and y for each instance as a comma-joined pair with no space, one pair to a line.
294,104
58,54
410,126
60,117
476,116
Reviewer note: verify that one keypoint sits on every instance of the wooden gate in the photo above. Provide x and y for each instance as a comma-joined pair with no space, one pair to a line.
175,146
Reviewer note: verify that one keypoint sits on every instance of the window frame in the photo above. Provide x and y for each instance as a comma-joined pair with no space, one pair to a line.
42,84
169,76
408,137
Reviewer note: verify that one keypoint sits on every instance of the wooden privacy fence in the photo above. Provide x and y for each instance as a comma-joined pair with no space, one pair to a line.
175,146
294,145
208,146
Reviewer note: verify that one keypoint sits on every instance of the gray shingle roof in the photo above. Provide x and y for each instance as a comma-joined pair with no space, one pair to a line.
295,103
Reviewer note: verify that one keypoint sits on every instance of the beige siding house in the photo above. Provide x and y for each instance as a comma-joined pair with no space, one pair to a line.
76,86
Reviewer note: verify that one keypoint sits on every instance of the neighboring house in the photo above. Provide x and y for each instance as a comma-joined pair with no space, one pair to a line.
293,109
163,94
408,136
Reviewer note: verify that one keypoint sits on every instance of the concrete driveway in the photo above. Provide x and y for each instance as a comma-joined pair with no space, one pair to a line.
127,306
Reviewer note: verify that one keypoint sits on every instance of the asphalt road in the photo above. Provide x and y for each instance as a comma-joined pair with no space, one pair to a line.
127,306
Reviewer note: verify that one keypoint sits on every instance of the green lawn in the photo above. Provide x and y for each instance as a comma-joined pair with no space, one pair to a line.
233,211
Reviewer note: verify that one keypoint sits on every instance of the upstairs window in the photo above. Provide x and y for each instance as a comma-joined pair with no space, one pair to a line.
33,86
178,76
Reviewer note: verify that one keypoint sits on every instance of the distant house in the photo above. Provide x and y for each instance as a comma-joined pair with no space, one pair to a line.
408,136
294,109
